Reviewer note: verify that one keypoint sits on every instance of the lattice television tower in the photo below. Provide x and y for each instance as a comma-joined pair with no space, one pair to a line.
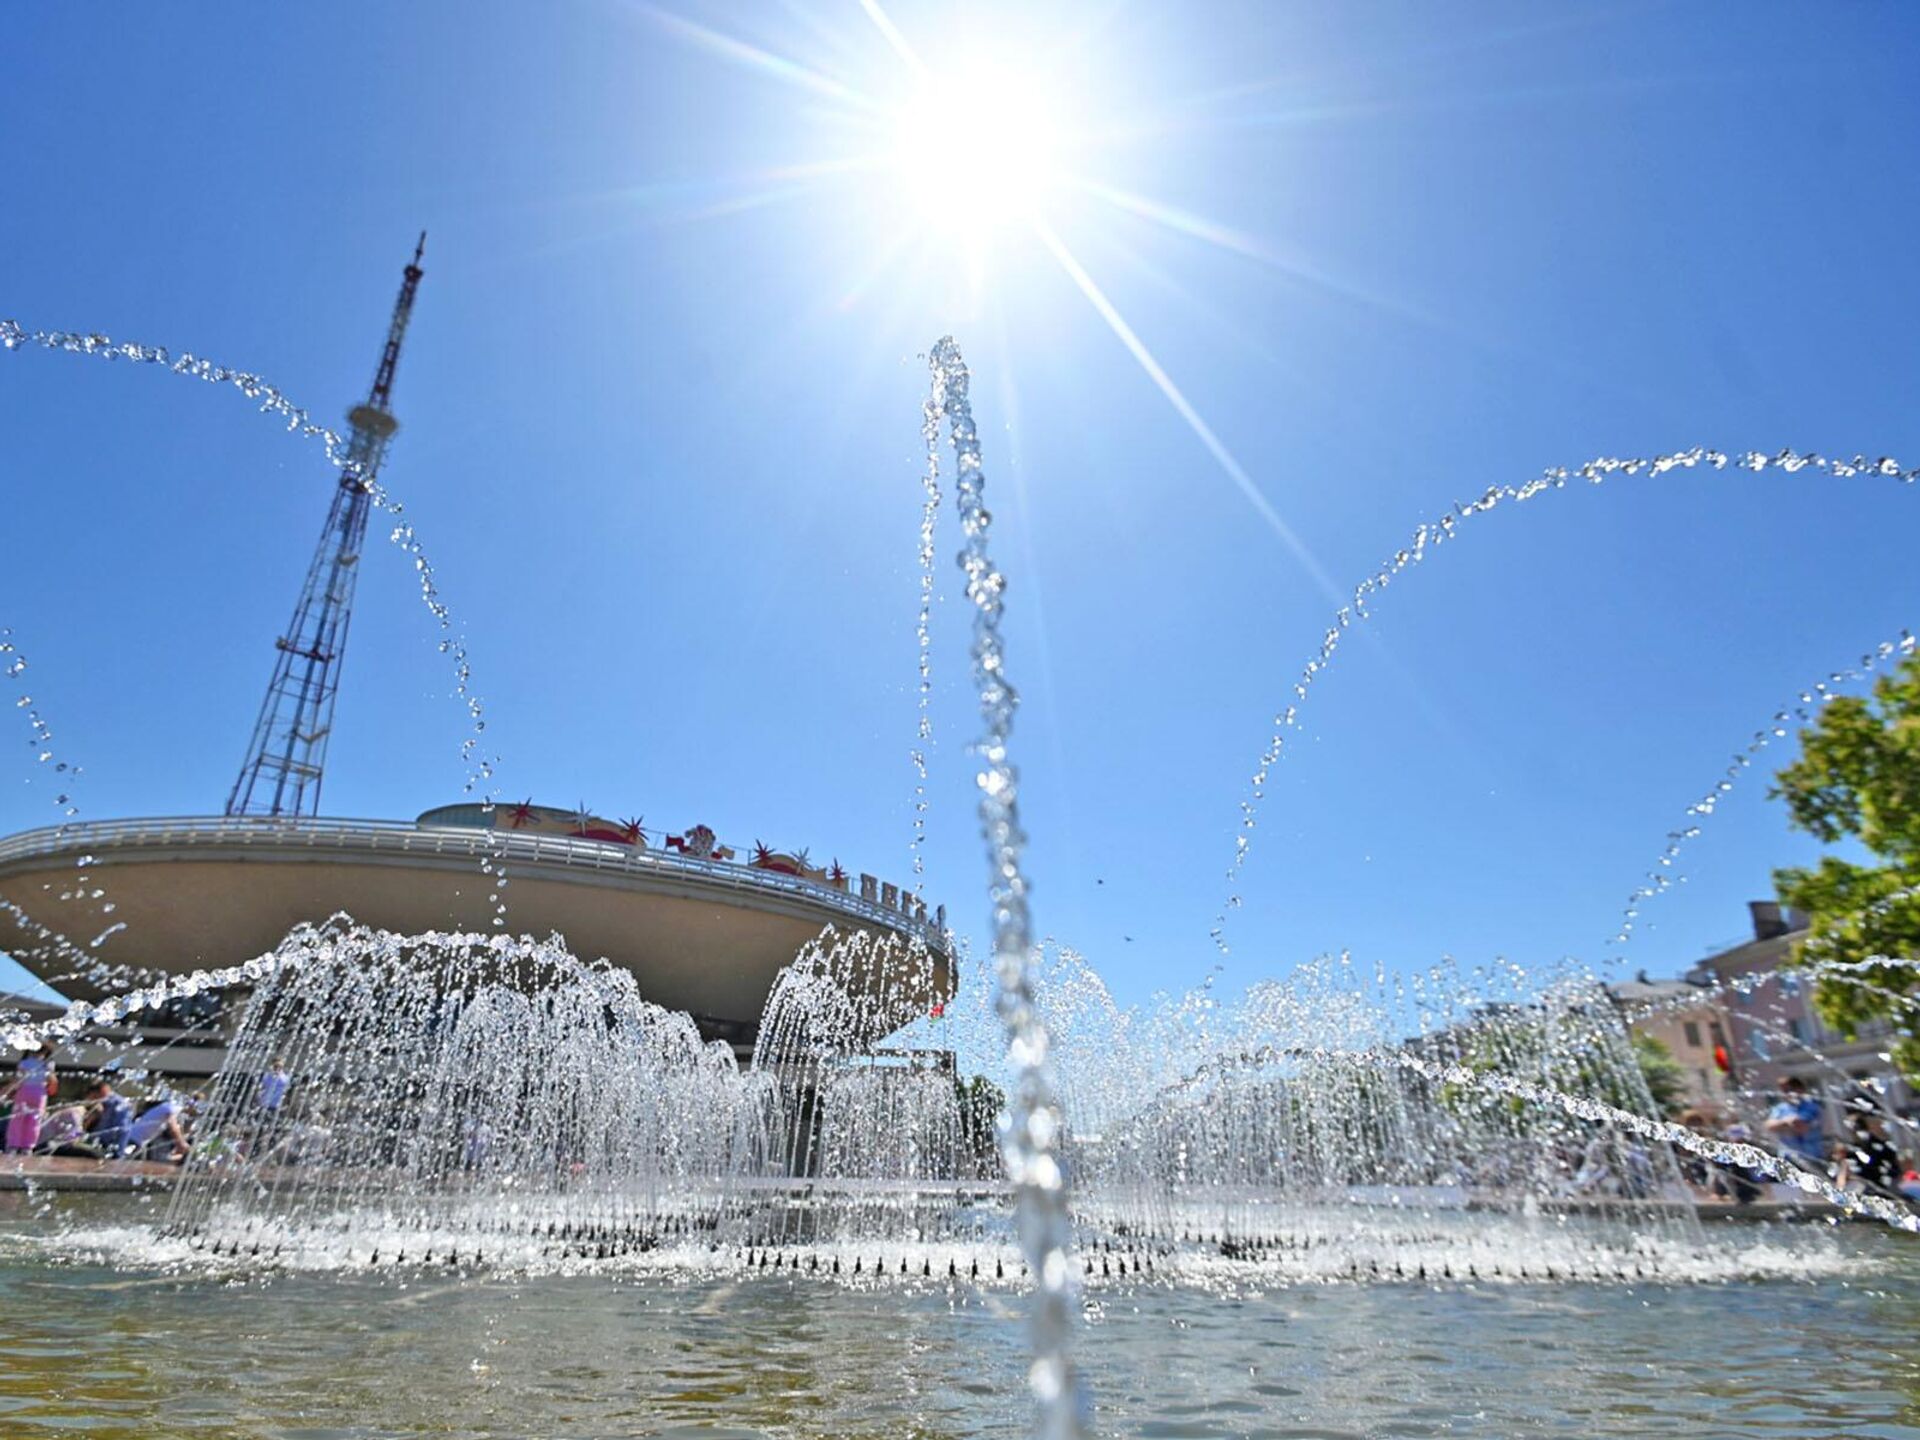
282,772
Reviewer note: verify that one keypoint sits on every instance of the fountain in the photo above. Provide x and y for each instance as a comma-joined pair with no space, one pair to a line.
496,1102
460,1091
499,1107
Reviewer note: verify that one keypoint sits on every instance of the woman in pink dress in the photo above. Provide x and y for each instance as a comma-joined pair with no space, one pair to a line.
33,1083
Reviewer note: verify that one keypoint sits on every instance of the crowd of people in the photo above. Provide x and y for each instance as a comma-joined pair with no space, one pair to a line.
165,1125
92,1120
1855,1143
1859,1155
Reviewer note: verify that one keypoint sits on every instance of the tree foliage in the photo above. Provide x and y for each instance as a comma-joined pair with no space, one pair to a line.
1579,1050
1858,778
981,1103
1666,1082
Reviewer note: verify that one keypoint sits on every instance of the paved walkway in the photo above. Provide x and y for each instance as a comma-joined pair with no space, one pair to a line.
1764,1209
55,1172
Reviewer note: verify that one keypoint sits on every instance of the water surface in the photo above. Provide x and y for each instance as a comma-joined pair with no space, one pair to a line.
89,1349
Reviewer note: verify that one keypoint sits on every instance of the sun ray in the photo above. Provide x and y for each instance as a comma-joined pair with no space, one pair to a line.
1238,242
1200,109
1223,457
725,190
1183,222
884,23
780,186
752,57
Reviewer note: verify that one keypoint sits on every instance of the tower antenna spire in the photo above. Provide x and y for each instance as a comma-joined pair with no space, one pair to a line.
282,772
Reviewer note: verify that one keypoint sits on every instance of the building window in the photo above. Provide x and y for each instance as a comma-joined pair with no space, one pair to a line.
1692,1027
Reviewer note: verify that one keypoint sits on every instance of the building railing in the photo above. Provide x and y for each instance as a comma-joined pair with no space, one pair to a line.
405,837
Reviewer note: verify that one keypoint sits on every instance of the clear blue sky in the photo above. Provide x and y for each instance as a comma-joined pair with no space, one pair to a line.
661,409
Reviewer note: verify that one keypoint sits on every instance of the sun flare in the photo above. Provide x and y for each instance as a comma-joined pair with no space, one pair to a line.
958,172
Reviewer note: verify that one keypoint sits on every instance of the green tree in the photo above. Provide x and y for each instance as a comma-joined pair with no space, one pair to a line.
980,1102
1858,778
1665,1080
1581,1051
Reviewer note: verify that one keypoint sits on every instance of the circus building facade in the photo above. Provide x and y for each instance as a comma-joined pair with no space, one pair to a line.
703,926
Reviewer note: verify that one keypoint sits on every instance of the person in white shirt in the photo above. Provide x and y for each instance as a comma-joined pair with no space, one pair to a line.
157,1123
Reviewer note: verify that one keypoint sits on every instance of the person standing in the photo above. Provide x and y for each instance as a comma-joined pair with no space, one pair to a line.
1731,1182
1796,1124
273,1089
33,1084
270,1099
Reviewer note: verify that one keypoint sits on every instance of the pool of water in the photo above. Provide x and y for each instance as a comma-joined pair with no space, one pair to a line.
91,1349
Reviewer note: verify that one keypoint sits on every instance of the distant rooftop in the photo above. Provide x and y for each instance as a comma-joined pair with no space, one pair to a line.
1644,994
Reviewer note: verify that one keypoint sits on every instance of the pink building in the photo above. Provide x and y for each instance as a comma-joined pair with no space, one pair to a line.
1688,1019
1775,1031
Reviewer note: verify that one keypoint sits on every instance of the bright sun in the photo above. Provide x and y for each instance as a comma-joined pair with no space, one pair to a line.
984,150
979,148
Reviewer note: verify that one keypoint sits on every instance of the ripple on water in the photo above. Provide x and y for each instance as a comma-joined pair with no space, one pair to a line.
86,1349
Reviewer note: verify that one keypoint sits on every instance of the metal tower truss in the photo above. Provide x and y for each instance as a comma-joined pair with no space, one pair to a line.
284,764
